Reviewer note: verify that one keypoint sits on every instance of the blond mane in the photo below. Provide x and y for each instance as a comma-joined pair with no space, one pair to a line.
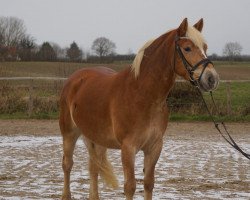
192,33
139,56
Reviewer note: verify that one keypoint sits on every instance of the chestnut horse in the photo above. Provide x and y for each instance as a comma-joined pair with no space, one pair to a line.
128,110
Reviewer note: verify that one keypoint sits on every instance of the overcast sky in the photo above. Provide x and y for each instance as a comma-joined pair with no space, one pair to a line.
130,23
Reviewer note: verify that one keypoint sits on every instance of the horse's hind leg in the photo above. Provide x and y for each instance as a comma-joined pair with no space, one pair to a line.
93,170
70,135
69,141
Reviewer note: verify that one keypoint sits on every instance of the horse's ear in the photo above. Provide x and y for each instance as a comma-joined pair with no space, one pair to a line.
199,25
181,31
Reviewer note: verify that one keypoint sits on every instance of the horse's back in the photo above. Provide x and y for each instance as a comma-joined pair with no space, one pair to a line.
82,76
86,73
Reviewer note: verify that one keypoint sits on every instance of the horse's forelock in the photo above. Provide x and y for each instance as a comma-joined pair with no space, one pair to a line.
196,37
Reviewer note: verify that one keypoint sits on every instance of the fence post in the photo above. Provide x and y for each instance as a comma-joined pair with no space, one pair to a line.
30,104
229,96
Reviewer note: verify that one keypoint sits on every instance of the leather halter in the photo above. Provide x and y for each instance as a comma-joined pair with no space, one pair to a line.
189,67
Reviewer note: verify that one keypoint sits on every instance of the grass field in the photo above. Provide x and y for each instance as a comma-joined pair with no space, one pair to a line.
14,103
235,107
51,69
227,70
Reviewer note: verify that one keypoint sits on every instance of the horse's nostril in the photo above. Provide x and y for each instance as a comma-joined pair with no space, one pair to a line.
211,80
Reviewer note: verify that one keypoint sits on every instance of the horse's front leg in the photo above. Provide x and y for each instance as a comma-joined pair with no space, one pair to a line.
128,163
151,157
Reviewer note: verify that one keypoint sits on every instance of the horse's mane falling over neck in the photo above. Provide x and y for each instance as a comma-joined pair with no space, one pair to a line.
136,65
139,56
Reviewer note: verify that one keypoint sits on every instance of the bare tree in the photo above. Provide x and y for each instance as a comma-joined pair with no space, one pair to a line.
103,47
1,38
26,48
12,30
60,52
232,50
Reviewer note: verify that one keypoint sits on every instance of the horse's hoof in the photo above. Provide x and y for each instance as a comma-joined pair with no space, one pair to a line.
66,197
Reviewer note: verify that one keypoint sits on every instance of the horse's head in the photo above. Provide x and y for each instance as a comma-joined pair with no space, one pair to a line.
191,61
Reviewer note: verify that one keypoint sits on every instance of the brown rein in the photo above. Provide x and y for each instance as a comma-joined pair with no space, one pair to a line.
229,140
204,63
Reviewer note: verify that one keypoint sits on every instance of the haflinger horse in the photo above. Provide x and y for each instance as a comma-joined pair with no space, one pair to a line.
128,110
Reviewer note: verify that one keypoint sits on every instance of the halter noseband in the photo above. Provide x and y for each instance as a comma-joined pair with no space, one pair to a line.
191,68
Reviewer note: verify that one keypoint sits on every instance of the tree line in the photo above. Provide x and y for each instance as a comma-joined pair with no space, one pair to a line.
16,44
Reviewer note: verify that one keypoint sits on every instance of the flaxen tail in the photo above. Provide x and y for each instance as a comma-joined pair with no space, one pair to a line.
105,167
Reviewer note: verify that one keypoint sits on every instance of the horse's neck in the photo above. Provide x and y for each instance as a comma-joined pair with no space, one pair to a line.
156,74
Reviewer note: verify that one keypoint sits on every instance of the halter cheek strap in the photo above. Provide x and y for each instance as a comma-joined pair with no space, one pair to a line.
191,68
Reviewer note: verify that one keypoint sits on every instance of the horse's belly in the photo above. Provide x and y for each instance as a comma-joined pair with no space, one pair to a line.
99,134
104,139
91,114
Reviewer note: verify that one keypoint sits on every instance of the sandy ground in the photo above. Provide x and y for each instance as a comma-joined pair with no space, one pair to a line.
196,163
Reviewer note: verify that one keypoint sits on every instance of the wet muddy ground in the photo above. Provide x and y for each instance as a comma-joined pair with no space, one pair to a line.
196,163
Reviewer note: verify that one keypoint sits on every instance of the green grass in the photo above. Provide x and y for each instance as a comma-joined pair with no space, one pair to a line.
173,117
24,115
17,115
240,95
231,63
207,118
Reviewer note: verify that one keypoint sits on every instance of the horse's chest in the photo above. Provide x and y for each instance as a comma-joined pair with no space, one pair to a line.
156,128
154,131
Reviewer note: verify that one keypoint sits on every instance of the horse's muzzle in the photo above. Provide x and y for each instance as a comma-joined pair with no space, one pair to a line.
209,80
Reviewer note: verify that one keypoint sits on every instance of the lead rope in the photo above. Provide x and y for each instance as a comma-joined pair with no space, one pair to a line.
229,140
194,82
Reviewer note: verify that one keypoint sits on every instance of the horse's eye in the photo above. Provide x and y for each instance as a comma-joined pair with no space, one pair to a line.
187,49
